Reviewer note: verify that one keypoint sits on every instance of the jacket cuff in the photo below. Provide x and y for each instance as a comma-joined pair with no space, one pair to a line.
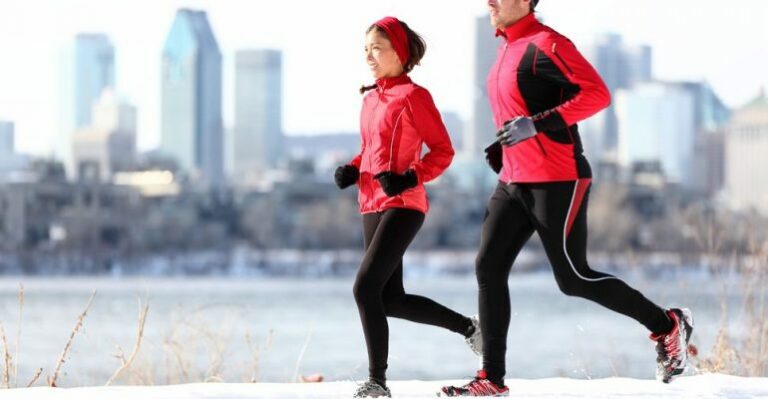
548,121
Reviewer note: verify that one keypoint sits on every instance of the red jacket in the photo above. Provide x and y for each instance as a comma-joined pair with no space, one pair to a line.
539,73
397,118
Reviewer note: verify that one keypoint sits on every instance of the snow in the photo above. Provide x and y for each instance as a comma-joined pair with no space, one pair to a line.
701,386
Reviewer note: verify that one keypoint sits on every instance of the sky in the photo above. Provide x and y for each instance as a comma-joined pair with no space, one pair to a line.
324,62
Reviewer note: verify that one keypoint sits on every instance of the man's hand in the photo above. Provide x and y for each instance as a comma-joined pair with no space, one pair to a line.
516,130
494,155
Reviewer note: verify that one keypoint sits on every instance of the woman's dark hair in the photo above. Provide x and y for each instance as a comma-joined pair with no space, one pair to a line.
416,46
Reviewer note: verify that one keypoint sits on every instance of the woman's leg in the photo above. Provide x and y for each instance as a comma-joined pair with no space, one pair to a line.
388,236
419,309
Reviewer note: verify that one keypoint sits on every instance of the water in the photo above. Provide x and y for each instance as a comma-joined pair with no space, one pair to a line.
196,324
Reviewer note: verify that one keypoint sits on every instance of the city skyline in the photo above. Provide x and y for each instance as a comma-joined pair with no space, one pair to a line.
138,54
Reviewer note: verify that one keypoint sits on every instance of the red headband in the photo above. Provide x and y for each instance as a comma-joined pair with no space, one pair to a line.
397,36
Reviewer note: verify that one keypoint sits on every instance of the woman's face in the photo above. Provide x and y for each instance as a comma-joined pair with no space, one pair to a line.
382,58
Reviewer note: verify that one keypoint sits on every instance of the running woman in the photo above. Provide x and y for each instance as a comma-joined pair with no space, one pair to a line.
398,116
540,88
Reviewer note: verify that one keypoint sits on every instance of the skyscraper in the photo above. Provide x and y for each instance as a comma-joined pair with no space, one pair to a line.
192,128
94,69
746,177
678,124
657,122
481,131
621,67
258,131
88,68
6,139
455,126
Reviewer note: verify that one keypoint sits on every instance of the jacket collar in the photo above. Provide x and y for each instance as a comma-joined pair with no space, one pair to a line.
385,83
519,28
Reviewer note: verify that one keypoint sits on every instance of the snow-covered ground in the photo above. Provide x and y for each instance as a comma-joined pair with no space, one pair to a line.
702,386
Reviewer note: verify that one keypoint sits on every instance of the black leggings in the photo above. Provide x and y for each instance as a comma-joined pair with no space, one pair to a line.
557,212
379,288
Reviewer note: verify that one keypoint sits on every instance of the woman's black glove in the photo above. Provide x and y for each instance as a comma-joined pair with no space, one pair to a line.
394,184
493,155
346,176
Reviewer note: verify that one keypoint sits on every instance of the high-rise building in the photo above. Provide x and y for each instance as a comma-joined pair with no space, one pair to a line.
482,128
678,124
657,122
88,68
6,139
746,176
10,160
455,126
192,127
258,132
711,117
621,67
109,144
94,69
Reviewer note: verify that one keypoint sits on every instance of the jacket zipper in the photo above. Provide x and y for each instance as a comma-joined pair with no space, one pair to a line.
554,51
369,187
498,70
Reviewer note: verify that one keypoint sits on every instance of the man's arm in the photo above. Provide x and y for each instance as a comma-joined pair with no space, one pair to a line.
561,63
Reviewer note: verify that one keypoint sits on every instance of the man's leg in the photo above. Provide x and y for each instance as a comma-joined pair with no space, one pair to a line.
506,229
560,214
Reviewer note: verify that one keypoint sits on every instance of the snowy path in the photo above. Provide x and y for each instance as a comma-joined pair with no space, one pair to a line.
703,386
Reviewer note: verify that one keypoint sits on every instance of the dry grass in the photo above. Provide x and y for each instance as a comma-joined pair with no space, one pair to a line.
300,358
188,340
256,352
6,359
11,363
18,337
126,363
35,377
52,379
745,355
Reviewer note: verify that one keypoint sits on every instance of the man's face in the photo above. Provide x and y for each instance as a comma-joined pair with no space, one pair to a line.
507,12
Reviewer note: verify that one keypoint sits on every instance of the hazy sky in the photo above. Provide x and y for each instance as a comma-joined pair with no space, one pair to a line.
323,51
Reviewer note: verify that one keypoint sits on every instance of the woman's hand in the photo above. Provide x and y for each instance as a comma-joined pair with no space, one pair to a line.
394,184
346,175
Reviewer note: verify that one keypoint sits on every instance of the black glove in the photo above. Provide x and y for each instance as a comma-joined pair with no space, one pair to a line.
493,155
516,130
394,184
346,176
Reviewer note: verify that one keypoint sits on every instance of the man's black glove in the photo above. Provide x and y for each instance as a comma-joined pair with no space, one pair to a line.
346,176
493,155
394,184
516,130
